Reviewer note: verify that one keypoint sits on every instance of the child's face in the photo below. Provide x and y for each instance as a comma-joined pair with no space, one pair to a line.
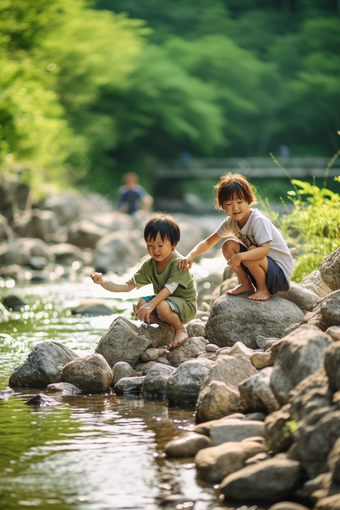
238,209
160,250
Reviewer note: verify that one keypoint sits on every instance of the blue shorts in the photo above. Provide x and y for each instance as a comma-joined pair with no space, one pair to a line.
172,305
276,280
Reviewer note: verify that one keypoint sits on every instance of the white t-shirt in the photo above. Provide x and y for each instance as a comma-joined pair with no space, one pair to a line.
256,231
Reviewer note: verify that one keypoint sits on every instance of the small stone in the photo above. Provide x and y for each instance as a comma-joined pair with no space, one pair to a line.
187,446
63,387
14,303
129,385
262,360
212,348
334,333
42,401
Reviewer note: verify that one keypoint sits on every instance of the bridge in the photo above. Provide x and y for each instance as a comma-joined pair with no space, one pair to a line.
169,177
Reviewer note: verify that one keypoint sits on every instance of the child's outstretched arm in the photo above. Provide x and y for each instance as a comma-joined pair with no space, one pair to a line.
112,286
200,248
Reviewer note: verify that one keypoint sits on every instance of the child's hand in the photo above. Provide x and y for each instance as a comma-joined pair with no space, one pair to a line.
143,313
186,263
235,261
97,278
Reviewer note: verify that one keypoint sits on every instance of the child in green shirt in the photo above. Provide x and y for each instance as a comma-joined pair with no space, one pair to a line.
175,296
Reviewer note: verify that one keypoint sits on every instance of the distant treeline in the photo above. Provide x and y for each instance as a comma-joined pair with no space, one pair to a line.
114,85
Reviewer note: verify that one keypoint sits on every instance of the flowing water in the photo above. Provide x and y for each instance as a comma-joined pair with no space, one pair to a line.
91,452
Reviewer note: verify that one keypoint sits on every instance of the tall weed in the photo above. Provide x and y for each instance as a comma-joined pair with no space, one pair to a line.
313,226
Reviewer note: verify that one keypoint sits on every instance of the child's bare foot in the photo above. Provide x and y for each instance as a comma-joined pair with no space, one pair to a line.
260,295
241,288
180,337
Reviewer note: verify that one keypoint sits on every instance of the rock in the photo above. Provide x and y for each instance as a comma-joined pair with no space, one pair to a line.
333,461
330,270
15,304
185,383
207,355
315,283
332,367
240,348
129,385
278,434
156,380
254,416
159,335
5,230
122,342
329,503
287,505
196,328
65,388
271,479
302,297
217,400
122,369
235,318
187,446
291,328
37,224
42,400
325,313
257,393
92,308
262,360
235,430
150,354
92,374
66,207
262,340
205,428
164,361
211,348
43,366
300,354
315,438
5,394
86,234
334,333
22,250
310,394
260,457
65,254
215,463
145,367
187,350
115,251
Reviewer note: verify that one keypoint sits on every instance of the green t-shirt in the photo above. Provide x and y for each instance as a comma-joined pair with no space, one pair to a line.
185,296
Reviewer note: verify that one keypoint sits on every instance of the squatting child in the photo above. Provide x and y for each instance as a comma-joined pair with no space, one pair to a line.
174,298
254,248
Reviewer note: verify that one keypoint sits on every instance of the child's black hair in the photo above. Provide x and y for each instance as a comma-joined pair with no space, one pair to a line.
165,225
234,185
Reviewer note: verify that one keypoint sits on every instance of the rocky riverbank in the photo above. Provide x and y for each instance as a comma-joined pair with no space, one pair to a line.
264,377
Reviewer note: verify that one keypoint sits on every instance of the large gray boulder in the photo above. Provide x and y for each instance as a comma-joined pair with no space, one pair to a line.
91,374
302,297
120,370
185,383
315,283
271,479
43,366
219,394
85,234
326,312
156,380
301,353
215,463
66,207
66,253
22,250
187,350
115,251
330,270
236,318
37,224
257,392
121,342
224,431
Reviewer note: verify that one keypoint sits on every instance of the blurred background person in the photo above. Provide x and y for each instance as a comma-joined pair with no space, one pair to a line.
133,198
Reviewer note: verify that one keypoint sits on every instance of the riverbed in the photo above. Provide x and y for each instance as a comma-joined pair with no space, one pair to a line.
91,452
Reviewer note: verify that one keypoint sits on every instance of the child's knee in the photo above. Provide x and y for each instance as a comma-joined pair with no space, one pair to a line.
163,309
230,247
140,303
